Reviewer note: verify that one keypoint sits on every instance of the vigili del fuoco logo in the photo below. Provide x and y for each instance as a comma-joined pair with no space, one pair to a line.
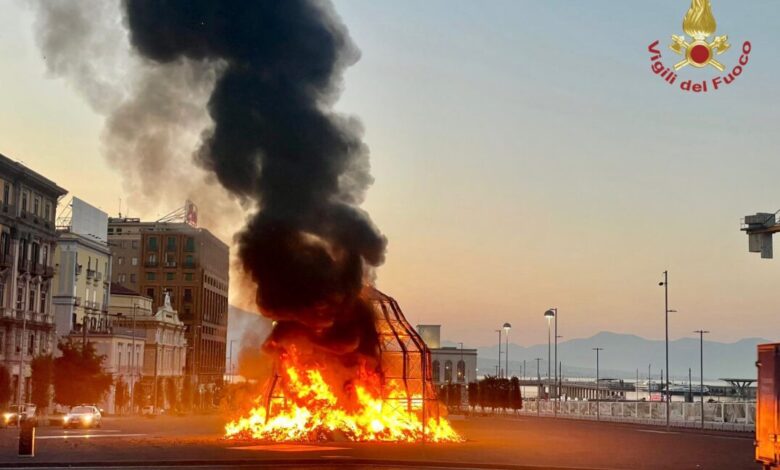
700,48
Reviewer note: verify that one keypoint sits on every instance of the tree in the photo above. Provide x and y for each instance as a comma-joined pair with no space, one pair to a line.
78,374
42,378
5,386
121,395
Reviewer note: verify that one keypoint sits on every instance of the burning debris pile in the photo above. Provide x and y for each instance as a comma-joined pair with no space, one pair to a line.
396,403
277,144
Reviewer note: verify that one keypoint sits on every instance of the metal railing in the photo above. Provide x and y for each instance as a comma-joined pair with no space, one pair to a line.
724,416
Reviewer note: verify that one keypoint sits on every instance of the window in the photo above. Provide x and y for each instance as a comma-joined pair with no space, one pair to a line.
2,299
19,297
188,295
152,259
187,276
189,261
461,371
6,194
189,244
43,299
36,205
435,371
171,244
150,293
151,276
134,261
170,276
24,201
47,211
120,261
132,279
448,371
2,341
152,243
31,344
121,278
134,243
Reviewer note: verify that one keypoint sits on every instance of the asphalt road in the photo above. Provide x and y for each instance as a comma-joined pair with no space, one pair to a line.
502,442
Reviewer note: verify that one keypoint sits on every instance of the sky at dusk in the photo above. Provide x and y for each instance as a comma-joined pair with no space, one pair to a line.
524,157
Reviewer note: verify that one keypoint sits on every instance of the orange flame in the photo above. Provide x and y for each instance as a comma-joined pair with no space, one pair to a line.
699,21
310,409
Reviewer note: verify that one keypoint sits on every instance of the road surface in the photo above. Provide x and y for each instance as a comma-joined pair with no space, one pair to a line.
491,442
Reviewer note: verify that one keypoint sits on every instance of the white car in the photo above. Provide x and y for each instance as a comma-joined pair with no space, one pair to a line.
85,416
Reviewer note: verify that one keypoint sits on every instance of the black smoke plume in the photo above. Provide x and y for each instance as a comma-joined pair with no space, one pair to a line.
276,141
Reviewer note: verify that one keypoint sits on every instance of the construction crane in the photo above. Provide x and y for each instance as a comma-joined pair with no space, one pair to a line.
759,228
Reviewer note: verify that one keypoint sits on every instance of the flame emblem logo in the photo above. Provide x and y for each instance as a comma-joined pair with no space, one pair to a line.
699,23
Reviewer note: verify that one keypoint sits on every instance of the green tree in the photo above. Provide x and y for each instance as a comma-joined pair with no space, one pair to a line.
78,374
5,386
42,379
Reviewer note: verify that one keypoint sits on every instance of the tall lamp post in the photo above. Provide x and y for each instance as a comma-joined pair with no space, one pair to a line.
231,359
701,373
598,398
665,285
552,314
506,329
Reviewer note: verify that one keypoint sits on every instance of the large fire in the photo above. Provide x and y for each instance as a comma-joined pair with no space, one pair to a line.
308,408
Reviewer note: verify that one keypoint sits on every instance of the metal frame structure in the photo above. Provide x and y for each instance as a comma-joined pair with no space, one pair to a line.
404,356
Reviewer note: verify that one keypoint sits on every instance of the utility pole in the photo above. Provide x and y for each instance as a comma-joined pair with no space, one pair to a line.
665,284
701,372
598,391
538,385
498,367
649,384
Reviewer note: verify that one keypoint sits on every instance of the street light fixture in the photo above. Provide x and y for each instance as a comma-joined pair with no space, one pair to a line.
506,328
665,285
701,373
552,314
598,398
549,315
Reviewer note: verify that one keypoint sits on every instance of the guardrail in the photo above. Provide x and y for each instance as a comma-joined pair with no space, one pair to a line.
723,416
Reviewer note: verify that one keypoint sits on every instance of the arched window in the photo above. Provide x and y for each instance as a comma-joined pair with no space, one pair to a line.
448,371
435,371
461,371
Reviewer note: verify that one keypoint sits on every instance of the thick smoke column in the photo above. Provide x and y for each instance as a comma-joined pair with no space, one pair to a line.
276,141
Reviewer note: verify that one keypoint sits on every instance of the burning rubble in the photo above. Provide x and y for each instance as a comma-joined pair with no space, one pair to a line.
277,145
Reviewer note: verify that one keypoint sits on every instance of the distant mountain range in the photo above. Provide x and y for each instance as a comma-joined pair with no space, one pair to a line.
623,354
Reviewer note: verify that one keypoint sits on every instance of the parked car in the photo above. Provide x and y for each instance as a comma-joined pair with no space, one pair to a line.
19,414
86,416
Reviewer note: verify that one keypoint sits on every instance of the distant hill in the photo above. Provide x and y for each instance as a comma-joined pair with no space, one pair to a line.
623,354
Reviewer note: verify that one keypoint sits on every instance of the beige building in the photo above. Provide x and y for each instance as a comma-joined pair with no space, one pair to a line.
165,345
81,282
28,202
116,345
449,364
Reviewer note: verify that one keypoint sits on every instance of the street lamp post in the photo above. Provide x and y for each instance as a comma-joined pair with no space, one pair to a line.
665,285
552,314
231,358
539,384
701,373
132,367
598,398
506,328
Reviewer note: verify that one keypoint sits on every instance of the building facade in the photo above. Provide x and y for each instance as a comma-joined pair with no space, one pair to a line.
192,266
449,364
165,345
81,281
28,202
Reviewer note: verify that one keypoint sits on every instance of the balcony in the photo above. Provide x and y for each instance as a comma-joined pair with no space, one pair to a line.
24,266
48,272
37,269
170,264
151,264
90,273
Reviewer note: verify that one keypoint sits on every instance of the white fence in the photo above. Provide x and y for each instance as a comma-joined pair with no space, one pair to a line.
729,416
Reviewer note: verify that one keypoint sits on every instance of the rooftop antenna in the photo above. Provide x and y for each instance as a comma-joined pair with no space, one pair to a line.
120,207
